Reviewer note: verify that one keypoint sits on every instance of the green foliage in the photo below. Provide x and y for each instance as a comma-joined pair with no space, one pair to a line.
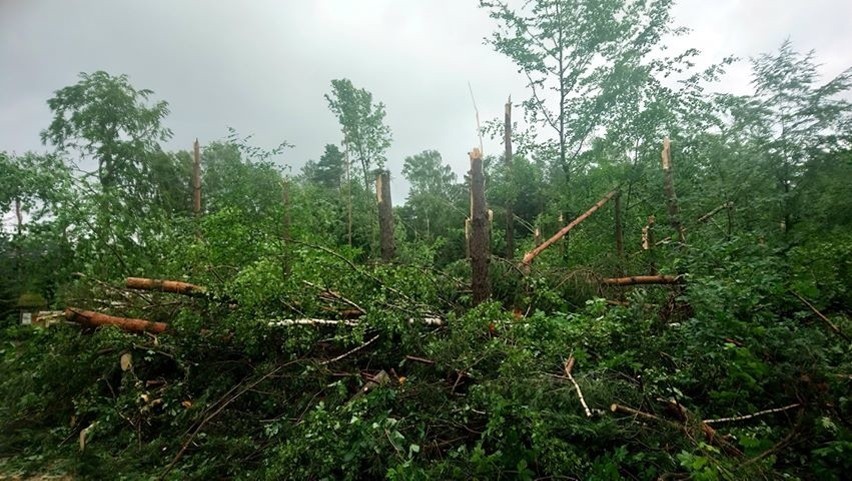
403,377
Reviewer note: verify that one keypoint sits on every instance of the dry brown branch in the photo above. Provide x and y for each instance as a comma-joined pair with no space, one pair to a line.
336,295
350,352
97,319
830,324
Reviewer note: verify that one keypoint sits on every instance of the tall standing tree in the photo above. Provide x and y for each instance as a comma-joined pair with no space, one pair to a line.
580,58
796,118
104,118
365,135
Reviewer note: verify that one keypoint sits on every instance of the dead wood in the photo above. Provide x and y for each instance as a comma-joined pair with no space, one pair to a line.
529,256
97,319
161,285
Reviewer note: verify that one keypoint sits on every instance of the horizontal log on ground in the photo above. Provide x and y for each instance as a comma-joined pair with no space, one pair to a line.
529,256
636,280
429,321
97,319
161,285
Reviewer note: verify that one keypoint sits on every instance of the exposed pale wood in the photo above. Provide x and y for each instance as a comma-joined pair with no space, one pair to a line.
752,415
825,319
668,184
569,365
97,319
161,285
636,280
529,256
480,255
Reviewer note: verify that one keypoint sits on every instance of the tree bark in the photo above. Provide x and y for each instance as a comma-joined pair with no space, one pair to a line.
529,256
96,319
510,215
196,178
668,184
383,196
635,280
176,287
479,248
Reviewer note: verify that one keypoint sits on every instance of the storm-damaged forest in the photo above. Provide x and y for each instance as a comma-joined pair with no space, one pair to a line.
651,278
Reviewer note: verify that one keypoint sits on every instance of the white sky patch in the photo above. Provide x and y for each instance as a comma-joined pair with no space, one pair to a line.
263,67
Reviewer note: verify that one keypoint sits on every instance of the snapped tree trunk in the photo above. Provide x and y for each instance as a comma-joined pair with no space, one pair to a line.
176,287
635,280
668,184
383,196
619,234
479,248
196,178
529,256
97,319
510,221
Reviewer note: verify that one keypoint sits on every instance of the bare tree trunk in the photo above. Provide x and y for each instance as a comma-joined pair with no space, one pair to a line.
619,234
196,178
510,220
674,209
528,258
383,196
479,248
96,319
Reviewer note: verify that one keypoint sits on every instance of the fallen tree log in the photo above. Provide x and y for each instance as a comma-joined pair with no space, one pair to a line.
160,285
636,280
428,321
529,256
97,319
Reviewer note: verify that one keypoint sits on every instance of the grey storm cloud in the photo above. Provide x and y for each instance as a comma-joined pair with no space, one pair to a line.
263,67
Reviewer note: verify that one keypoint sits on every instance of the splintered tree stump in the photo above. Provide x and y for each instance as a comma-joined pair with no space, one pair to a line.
176,287
97,319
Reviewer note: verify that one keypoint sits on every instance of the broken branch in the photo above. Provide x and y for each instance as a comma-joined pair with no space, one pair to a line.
529,256
569,365
830,324
97,319
753,415
635,280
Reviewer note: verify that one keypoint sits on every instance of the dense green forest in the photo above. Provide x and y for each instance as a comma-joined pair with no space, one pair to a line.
319,339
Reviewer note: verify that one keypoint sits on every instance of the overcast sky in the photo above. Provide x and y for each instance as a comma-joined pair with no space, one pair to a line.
262,67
